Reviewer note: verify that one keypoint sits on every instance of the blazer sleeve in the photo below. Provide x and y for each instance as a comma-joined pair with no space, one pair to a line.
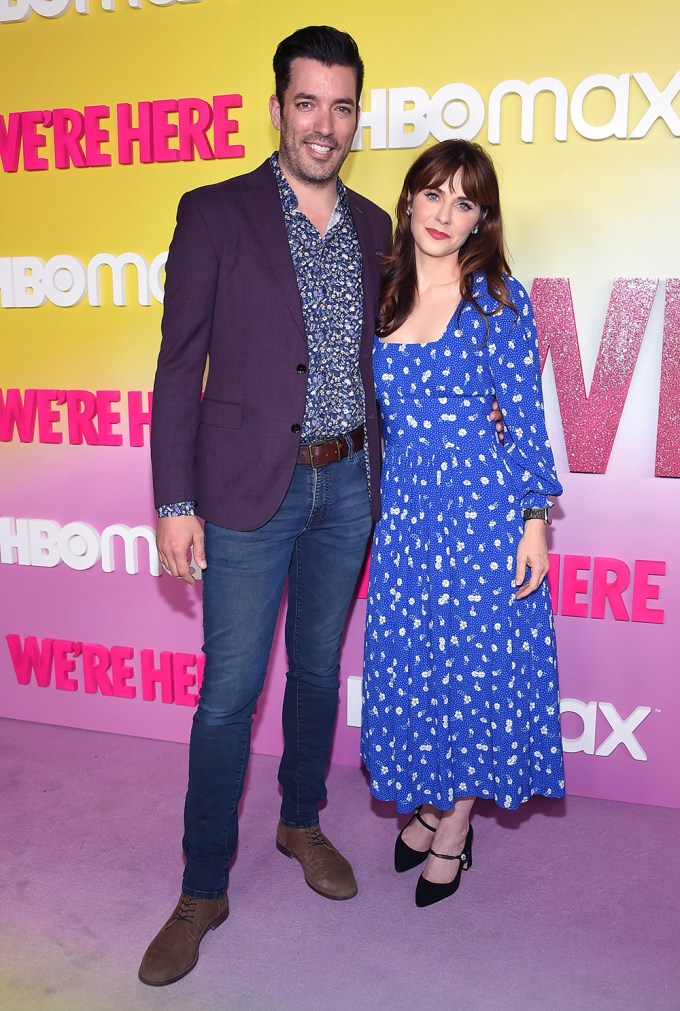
191,281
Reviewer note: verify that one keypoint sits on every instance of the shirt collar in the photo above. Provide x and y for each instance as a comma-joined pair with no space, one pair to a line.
289,200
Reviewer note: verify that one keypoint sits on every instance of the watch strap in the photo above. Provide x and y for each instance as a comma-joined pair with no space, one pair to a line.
536,514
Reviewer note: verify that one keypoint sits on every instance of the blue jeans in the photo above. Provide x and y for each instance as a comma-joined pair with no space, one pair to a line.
317,538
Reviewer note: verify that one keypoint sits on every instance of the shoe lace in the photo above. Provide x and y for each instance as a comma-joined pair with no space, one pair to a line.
186,909
315,836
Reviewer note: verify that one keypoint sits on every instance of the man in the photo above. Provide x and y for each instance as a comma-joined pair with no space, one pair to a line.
274,277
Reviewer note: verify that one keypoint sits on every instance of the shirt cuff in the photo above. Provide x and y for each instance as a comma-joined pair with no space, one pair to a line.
177,509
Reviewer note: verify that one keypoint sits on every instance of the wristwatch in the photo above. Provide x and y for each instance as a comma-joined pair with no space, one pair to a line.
536,514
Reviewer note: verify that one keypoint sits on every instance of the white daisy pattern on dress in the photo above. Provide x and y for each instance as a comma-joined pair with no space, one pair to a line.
460,692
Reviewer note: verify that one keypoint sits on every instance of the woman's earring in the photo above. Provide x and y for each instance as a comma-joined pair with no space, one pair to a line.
475,230
408,213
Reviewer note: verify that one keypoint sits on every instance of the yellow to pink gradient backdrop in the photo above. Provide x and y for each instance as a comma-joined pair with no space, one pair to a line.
588,168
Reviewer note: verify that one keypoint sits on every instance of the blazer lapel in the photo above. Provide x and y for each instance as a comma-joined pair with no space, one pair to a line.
370,268
266,214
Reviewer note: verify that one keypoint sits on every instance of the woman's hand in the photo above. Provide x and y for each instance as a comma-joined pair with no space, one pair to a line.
496,416
532,550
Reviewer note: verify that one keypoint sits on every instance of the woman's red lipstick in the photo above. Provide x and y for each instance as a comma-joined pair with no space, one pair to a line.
435,234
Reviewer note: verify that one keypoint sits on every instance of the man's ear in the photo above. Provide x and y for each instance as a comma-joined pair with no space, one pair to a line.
275,112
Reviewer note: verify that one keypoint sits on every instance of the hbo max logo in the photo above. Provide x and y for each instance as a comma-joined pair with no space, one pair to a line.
622,729
20,10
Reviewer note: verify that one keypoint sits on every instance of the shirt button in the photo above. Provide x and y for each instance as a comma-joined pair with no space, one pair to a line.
302,367
296,428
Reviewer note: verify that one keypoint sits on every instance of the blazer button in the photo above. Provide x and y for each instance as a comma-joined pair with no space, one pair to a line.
296,428
302,367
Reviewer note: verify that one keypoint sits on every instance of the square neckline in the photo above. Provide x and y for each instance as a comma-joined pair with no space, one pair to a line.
424,344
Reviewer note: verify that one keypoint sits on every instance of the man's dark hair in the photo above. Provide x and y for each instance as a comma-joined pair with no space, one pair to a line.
317,42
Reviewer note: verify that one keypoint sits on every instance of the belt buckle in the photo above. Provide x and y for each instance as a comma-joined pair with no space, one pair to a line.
324,442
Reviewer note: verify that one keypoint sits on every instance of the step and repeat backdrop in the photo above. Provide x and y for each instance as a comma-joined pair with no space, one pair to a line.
111,109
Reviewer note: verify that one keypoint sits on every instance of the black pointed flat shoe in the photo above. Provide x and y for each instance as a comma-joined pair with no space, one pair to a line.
429,892
406,858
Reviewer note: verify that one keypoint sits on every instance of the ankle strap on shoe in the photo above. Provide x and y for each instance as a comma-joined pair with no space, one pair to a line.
447,856
424,823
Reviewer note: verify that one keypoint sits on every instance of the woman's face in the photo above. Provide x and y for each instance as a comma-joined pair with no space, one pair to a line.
442,218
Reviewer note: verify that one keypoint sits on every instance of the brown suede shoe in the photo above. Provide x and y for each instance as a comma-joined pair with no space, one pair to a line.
174,950
325,870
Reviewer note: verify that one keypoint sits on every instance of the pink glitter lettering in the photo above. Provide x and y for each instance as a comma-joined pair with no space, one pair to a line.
590,421
667,442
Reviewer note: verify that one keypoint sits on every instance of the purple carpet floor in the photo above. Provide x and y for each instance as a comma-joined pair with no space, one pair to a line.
569,905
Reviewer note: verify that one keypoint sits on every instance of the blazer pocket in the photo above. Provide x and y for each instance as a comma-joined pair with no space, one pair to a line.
221,414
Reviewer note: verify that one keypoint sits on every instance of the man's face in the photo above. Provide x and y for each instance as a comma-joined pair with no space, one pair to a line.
317,122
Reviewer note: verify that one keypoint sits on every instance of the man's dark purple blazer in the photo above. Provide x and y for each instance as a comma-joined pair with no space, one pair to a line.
231,300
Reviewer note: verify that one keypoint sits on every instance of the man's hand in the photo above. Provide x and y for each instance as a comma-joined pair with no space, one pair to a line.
175,535
532,551
498,418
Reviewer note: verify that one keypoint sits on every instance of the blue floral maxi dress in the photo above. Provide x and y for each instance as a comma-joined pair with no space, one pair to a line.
460,679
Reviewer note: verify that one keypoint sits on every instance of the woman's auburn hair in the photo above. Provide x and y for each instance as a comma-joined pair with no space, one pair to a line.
484,251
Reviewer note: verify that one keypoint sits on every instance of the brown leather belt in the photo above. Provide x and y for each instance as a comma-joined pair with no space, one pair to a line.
325,451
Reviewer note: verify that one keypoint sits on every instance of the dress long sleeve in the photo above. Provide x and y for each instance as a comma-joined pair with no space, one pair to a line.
515,366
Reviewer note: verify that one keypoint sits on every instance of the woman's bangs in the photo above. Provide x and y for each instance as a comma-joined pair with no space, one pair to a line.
440,176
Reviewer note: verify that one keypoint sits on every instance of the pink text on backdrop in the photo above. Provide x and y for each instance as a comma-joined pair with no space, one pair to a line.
74,416
590,421
102,670
164,130
667,442
585,587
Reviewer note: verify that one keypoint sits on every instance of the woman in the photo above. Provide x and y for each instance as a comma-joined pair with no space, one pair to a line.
460,676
